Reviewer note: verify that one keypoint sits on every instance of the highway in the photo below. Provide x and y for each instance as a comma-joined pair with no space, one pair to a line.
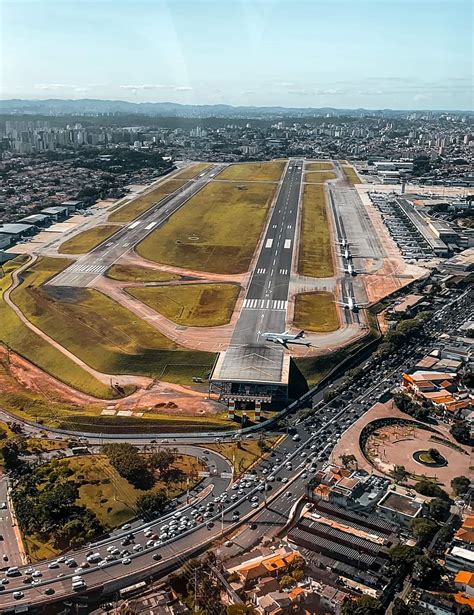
93,264
285,472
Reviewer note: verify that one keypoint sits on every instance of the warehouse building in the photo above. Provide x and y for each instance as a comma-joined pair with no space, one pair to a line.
36,220
18,231
58,212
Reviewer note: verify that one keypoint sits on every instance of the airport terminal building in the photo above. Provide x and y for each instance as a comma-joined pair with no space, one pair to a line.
249,376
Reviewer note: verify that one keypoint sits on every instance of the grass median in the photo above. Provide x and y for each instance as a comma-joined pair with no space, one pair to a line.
102,333
133,273
193,171
87,240
217,230
351,175
193,305
315,253
318,177
254,171
316,312
244,454
319,166
134,208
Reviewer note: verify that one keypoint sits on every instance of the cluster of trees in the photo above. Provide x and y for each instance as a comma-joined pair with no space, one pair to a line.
121,160
406,404
461,432
140,469
460,485
45,504
431,489
403,332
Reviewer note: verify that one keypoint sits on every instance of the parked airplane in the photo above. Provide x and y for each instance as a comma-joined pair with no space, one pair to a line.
346,253
350,269
286,338
350,304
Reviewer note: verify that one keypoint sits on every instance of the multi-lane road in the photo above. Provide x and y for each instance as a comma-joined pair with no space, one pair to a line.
263,499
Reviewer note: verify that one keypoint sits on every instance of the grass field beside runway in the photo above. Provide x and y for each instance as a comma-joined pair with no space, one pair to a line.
318,177
217,230
192,172
316,312
254,171
133,273
193,305
129,211
87,240
315,254
19,338
351,175
319,166
102,333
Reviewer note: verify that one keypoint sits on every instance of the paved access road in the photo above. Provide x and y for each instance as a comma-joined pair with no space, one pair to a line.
97,261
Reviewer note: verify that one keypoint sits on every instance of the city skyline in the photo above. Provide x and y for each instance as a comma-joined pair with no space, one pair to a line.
393,54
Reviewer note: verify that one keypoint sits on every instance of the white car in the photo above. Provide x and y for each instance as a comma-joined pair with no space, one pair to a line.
126,560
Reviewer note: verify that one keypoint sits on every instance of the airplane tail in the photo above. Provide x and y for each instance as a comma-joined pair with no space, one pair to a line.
300,334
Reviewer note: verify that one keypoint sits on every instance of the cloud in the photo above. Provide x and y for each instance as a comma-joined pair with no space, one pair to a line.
54,86
155,86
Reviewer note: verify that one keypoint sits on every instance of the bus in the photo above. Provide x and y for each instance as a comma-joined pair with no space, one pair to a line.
131,590
80,450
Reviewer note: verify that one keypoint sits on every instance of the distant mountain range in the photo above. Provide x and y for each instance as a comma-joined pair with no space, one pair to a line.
89,106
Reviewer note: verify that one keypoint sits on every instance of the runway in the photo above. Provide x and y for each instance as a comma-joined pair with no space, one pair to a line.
249,356
84,271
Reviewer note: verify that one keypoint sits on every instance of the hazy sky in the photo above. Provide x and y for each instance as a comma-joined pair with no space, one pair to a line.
410,54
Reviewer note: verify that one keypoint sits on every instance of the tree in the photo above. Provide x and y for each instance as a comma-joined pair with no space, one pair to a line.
162,461
286,581
460,432
428,487
400,474
348,460
427,571
439,509
10,452
363,606
460,485
128,462
401,558
241,609
423,529
400,608
151,505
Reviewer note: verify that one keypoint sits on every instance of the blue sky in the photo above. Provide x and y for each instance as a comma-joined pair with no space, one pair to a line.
403,54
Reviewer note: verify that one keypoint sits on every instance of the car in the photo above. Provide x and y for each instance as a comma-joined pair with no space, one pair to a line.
253,526
210,525
157,557
61,559
102,563
137,548
228,543
60,575
255,505
49,591
5,581
37,574
2,588
150,543
127,526
18,594
235,515
3,505
126,560
5,557
254,499
53,564
284,479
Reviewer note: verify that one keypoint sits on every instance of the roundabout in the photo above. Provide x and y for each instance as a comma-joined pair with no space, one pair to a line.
431,458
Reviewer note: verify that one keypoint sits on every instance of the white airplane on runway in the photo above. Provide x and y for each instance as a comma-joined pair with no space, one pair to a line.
350,304
346,253
286,338
350,269
343,242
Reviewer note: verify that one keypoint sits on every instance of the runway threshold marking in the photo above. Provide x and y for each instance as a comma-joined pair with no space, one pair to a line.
287,243
269,243
134,224
150,226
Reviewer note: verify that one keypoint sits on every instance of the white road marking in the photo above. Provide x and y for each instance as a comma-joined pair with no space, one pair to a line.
287,243
134,224
150,226
269,243
261,270
283,271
